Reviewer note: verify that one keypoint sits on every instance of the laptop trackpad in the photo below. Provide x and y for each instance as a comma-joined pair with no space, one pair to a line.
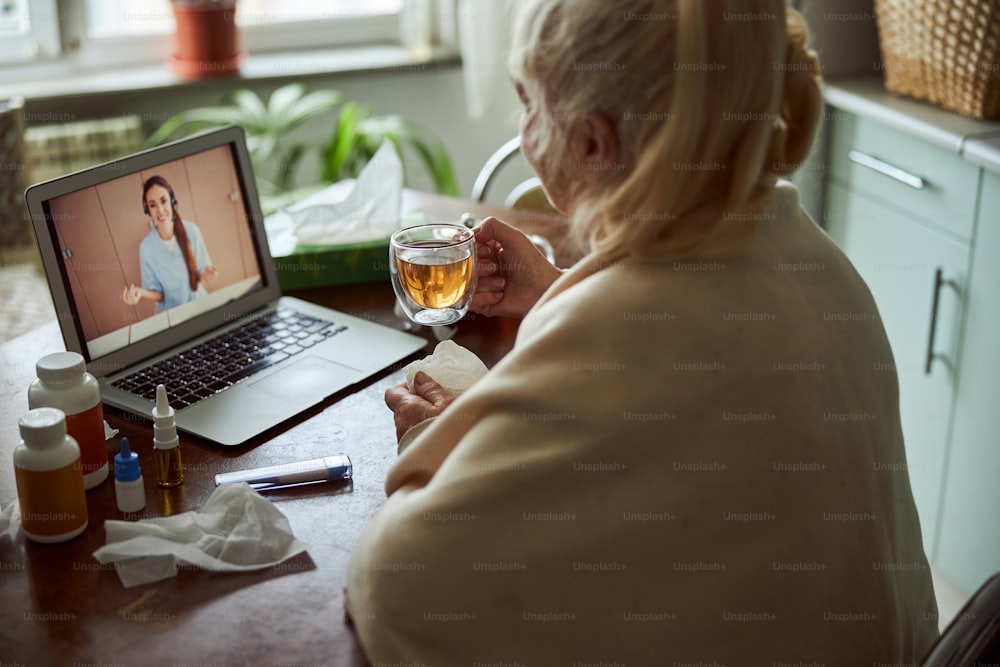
309,377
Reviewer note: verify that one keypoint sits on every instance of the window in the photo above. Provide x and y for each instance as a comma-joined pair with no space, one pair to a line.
106,33
28,30
123,18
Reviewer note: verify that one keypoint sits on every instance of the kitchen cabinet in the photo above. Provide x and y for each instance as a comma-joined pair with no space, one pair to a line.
912,195
969,545
910,188
904,212
900,258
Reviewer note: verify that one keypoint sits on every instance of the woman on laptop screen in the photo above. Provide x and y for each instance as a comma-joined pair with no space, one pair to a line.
174,261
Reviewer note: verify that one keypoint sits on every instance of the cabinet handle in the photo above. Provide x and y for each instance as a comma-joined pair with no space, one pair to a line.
939,282
865,160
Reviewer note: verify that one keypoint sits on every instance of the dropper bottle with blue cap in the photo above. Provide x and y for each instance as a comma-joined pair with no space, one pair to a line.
129,491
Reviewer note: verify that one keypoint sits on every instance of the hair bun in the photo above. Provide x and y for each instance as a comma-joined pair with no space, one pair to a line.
802,102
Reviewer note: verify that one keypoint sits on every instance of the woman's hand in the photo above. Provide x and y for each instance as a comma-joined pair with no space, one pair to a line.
428,399
208,275
131,295
513,273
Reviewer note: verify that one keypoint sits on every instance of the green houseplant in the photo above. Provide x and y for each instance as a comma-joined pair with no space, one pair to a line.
355,137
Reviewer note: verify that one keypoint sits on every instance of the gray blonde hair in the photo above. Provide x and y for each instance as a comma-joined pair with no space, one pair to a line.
713,100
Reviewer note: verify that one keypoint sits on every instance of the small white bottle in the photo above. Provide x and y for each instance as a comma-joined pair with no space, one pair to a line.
129,491
49,482
63,382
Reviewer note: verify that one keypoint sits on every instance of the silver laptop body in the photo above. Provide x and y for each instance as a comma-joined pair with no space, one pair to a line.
98,238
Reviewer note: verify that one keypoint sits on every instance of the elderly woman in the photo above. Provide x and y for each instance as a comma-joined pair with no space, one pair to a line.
682,461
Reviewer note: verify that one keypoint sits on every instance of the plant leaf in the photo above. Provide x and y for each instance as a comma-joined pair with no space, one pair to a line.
282,100
286,170
251,110
355,138
311,105
161,133
191,121
342,145
262,148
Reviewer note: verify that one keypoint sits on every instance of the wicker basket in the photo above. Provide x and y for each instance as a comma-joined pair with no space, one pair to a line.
944,51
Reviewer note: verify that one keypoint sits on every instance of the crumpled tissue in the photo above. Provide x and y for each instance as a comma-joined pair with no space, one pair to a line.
450,365
371,211
237,530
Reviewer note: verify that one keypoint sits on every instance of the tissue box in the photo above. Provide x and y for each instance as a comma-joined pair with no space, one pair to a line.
348,264
339,234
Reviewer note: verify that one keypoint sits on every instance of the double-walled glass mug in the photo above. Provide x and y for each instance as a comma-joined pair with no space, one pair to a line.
433,269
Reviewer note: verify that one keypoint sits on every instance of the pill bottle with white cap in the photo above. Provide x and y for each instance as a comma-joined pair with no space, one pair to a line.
63,382
48,478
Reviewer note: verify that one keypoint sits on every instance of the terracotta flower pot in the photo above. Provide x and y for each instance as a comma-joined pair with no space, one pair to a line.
206,40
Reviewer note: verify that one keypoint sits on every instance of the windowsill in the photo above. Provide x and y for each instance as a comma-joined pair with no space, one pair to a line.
256,67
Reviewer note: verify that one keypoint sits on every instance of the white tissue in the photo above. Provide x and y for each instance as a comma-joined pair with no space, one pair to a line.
108,431
452,366
370,212
10,519
237,530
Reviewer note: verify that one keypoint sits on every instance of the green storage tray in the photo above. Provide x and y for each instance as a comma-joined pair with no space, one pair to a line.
349,264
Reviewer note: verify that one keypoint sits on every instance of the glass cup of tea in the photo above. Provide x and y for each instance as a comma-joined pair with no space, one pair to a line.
433,269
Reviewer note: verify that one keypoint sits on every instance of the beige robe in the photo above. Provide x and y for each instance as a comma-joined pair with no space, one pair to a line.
679,463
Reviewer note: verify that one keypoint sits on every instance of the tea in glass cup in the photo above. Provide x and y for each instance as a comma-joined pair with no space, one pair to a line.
433,269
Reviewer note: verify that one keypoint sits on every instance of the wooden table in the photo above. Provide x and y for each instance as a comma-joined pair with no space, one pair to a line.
61,607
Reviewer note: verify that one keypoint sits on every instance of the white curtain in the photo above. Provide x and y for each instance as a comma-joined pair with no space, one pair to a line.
481,31
484,35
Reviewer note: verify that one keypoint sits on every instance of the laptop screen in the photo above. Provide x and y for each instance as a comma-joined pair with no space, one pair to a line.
149,246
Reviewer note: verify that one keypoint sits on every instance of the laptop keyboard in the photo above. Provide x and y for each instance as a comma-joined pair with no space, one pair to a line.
201,371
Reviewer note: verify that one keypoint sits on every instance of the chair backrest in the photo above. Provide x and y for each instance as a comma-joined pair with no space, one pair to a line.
972,639
488,173
528,194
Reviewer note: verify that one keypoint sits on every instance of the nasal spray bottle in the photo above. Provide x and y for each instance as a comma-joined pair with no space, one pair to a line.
129,491
166,445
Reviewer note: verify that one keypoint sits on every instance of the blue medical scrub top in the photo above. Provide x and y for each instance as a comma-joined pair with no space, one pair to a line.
163,269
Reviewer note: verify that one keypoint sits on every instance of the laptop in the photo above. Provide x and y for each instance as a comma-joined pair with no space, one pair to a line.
160,271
